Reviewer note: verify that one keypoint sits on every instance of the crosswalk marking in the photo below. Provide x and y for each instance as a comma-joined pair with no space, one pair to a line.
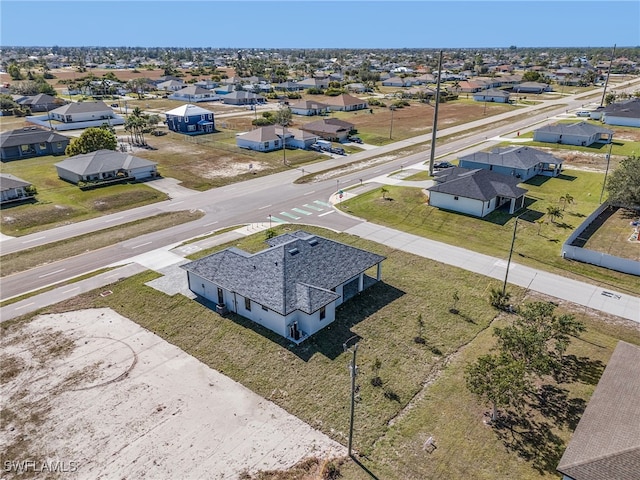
299,210
287,214
276,219
313,207
320,202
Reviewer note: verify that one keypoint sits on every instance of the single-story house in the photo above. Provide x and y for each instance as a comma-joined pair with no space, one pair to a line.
346,103
625,113
31,142
190,120
171,85
42,102
292,287
331,129
193,93
13,189
207,84
476,192
289,86
581,133
420,92
89,113
105,165
309,107
606,442
241,97
531,87
269,138
398,82
469,86
357,87
520,162
321,83
492,95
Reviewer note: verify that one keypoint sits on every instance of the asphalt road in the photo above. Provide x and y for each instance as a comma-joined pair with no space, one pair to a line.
254,201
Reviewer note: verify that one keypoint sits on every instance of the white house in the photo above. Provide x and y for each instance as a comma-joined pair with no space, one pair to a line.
492,95
309,107
269,138
292,287
517,161
346,103
475,192
13,189
80,115
195,94
625,114
105,165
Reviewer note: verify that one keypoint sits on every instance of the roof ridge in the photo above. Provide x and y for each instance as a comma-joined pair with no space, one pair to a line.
600,458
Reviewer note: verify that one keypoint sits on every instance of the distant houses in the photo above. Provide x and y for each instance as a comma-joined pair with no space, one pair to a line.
190,120
31,142
581,134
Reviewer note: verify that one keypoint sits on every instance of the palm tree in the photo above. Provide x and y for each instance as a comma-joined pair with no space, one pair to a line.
554,213
567,198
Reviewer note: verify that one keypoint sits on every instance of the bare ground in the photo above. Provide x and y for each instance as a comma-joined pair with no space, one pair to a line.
94,388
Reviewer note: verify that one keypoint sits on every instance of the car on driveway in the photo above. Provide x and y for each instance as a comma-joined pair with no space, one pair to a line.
355,139
338,150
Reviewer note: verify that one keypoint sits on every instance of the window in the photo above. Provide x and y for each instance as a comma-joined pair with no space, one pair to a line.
59,145
203,116
323,313
455,198
247,304
191,128
24,148
276,143
43,146
266,144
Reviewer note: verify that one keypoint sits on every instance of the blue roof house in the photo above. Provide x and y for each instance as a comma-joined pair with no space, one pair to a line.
190,120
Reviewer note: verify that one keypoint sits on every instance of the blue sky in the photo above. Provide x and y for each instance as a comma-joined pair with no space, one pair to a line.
321,24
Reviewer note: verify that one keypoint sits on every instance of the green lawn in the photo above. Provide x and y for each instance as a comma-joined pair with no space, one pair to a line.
537,244
59,202
311,381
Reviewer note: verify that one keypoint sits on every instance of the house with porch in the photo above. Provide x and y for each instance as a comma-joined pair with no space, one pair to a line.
522,163
14,189
606,441
476,192
581,134
79,115
105,166
270,137
309,107
332,129
31,142
190,120
292,287
193,94
346,103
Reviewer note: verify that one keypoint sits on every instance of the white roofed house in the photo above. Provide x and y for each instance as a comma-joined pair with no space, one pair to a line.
171,85
79,115
105,166
291,288
492,95
190,120
269,138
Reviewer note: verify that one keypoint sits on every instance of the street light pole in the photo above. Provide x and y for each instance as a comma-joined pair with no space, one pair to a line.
604,182
353,369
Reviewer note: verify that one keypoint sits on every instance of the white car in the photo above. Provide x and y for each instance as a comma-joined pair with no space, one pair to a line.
583,113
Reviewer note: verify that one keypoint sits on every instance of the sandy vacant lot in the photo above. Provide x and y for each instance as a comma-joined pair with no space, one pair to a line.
94,388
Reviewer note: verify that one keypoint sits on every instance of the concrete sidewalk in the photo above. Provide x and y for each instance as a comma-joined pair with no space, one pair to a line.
591,296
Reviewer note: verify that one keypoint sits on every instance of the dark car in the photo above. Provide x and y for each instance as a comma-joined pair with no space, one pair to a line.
355,139
443,165
338,150
315,147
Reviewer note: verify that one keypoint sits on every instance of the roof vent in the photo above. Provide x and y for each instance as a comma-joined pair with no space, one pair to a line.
294,251
313,242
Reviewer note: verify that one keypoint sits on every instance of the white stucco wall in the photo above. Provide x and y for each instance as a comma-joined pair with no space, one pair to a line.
462,205
621,121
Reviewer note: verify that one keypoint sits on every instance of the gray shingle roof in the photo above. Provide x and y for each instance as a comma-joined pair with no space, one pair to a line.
479,184
629,108
512,157
297,271
102,161
82,107
580,128
328,125
9,182
606,442
30,136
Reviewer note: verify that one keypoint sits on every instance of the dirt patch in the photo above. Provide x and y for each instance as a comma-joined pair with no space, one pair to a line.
118,401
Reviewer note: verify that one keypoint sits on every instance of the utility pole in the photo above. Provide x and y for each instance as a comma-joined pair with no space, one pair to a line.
606,82
513,241
604,182
435,118
353,369
392,108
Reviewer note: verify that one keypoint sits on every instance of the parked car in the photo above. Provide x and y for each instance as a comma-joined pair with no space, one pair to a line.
355,139
443,165
583,113
338,150
315,147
